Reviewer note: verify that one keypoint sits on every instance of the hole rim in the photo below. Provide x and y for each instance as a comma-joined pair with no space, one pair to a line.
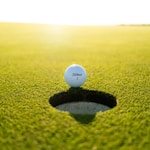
83,95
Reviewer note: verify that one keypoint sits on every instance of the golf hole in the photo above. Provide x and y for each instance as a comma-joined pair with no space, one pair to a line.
82,101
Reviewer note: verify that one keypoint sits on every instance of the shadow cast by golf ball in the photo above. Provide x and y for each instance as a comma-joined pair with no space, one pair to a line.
83,118
83,104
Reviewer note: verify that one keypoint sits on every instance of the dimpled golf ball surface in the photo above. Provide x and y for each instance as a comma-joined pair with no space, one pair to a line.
75,75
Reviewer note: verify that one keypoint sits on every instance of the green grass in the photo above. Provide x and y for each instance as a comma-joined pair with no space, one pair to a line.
32,63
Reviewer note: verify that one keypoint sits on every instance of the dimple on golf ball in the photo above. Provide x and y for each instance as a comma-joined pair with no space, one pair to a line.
75,75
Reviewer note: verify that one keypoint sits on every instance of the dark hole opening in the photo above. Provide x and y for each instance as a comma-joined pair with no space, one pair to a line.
83,95
78,96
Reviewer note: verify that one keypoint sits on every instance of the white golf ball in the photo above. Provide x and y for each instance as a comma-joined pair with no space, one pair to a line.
75,75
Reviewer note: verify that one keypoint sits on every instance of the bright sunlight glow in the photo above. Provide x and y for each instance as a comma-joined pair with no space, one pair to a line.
76,12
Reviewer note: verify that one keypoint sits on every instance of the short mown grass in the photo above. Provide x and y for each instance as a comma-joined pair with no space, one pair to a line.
32,63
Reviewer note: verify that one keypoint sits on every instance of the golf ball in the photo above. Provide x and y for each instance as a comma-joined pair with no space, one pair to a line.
75,75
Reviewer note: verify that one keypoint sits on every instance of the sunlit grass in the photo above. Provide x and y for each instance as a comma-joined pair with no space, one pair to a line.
32,63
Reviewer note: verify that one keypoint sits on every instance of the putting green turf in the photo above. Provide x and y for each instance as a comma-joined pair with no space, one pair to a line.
32,63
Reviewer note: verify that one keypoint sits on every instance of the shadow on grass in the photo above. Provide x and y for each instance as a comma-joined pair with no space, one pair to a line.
84,118
83,95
